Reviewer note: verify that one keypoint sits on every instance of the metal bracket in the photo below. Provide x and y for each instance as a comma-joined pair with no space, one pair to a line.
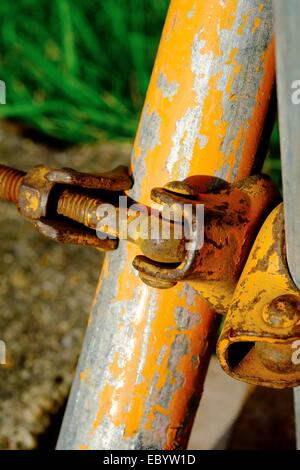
233,215
263,321
43,190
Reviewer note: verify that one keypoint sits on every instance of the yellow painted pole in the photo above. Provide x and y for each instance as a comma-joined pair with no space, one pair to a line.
145,355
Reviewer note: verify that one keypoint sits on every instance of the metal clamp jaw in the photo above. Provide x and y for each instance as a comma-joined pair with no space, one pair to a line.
260,299
57,202
255,290
262,327
233,215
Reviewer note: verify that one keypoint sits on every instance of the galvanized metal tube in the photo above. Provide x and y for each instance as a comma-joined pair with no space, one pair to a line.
145,355
297,409
287,17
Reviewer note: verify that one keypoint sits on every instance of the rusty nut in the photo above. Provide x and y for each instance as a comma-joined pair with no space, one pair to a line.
34,193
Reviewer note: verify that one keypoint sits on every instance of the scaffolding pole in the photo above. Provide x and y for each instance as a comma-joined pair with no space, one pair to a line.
145,356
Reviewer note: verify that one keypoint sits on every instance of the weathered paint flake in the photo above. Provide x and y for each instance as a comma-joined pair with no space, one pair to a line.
168,89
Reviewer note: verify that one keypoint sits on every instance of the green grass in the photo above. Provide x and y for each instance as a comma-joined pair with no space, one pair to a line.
78,70
273,163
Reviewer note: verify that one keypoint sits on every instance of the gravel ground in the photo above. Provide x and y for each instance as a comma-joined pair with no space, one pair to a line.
46,291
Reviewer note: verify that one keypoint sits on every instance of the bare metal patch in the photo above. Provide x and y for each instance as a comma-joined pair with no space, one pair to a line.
190,293
185,319
250,45
148,139
168,89
190,13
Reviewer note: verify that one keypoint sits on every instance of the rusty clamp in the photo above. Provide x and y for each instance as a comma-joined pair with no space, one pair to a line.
246,279
233,215
58,202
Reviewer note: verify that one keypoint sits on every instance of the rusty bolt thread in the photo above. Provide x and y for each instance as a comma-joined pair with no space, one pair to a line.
79,207
82,208
10,182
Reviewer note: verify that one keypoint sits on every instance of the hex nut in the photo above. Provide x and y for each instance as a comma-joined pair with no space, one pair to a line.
34,193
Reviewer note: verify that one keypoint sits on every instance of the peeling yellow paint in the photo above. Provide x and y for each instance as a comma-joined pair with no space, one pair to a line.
256,24
123,399
243,25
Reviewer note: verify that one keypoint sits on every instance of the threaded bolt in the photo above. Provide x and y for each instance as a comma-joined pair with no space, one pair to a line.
79,207
10,182
73,205
83,208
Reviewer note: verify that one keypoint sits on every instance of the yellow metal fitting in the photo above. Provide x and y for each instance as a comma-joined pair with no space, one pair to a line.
262,327
233,215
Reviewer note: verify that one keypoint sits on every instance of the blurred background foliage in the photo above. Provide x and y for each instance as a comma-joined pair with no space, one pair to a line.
78,70
273,163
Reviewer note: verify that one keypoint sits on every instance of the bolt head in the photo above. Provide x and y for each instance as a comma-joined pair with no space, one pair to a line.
283,311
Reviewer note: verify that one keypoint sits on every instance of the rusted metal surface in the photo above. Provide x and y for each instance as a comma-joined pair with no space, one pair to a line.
66,233
114,180
85,210
44,195
233,215
41,197
35,193
256,344
10,181
144,359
